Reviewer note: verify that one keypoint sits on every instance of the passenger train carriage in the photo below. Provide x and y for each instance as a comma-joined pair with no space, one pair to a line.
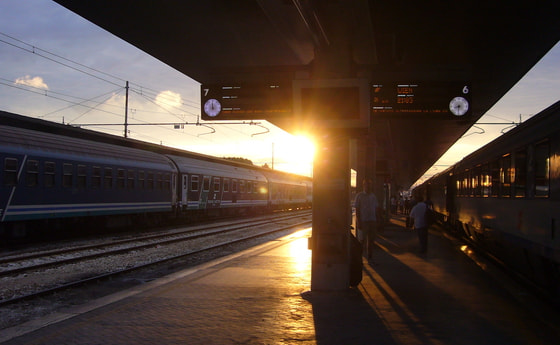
47,176
54,175
506,198
287,190
207,185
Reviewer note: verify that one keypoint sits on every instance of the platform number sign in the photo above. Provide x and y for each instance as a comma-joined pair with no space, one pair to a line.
211,105
460,105
421,98
245,101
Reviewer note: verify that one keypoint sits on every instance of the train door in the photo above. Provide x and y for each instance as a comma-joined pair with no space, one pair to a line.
185,191
12,171
450,195
174,195
215,193
204,192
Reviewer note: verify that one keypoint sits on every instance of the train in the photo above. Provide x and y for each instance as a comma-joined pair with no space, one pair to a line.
505,198
55,176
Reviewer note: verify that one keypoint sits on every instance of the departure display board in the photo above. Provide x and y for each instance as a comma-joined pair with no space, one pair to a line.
332,103
452,98
246,101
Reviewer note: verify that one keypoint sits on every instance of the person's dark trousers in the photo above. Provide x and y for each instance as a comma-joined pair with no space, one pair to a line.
423,238
371,233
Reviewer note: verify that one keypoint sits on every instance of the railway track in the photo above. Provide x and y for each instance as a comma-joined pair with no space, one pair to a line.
27,276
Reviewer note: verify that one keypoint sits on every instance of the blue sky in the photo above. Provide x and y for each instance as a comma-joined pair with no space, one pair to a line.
33,33
538,89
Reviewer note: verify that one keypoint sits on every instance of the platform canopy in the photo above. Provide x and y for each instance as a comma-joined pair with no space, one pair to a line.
487,45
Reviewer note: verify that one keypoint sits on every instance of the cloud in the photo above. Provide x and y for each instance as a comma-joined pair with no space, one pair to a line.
169,99
33,82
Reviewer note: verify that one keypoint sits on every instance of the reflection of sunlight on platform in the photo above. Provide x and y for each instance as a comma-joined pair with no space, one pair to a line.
291,311
300,252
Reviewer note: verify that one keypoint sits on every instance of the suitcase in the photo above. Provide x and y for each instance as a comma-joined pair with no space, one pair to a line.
356,264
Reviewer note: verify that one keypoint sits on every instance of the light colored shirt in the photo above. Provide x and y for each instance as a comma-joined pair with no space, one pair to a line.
366,205
418,213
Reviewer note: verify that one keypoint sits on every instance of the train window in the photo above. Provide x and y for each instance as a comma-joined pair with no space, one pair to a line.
194,183
108,179
166,182
249,187
485,180
159,181
120,178
67,176
226,185
469,183
216,184
10,171
50,170
206,184
495,176
141,179
506,174
82,173
32,173
130,179
542,169
520,173
95,177
475,182
464,184
241,186
150,181
234,186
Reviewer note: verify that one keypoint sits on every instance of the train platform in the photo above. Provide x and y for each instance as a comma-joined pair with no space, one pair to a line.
262,296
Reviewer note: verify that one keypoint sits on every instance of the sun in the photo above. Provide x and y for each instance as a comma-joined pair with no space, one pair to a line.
296,153
304,148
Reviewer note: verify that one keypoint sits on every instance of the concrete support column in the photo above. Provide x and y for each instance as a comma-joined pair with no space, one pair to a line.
330,261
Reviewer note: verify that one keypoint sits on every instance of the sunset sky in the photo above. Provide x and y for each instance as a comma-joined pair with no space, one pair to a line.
59,67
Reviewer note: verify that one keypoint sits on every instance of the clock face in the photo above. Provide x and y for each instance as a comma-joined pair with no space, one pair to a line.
212,107
459,106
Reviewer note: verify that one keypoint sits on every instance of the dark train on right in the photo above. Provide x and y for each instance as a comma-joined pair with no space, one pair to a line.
505,197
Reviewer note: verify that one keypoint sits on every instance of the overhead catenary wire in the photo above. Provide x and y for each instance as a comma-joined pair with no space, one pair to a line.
143,91
51,94
68,63
35,50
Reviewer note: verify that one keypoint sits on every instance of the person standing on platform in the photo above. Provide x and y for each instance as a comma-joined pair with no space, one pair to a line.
418,219
366,217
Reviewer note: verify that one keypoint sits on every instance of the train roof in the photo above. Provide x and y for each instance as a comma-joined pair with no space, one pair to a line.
284,177
26,141
14,120
196,166
533,129
29,123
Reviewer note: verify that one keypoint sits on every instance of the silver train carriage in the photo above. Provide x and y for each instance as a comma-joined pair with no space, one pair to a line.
506,198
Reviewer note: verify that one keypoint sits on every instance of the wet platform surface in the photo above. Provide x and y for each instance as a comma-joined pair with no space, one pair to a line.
262,296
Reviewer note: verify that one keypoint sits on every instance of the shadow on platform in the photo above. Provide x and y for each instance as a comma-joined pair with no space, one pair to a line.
408,298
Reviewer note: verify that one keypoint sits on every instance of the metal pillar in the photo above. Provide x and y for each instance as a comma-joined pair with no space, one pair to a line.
330,261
